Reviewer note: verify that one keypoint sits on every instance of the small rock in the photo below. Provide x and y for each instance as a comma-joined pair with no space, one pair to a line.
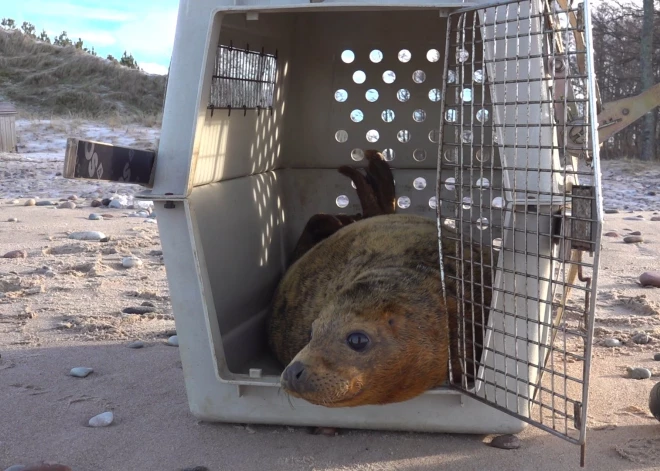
96,203
12,220
635,233
641,338
173,341
611,211
116,204
14,202
67,205
650,278
633,239
656,357
651,193
139,310
131,262
639,373
106,201
506,442
45,203
73,197
81,372
136,344
95,217
139,214
655,218
156,253
30,202
611,343
87,235
16,254
58,174
101,420
611,234
148,304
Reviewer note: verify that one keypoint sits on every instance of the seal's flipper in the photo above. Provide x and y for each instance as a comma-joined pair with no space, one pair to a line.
381,179
365,191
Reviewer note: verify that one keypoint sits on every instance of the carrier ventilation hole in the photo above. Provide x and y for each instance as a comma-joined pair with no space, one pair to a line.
387,115
449,183
371,95
466,95
419,155
433,202
341,136
359,77
478,76
375,56
404,55
403,136
466,137
419,76
451,155
462,55
434,136
347,56
451,76
372,135
342,201
403,202
357,116
403,95
482,115
389,76
497,203
482,224
497,244
433,55
419,115
451,115
419,183
435,94
353,185
388,155
450,223
341,95
467,202
483,183
357,154
482,155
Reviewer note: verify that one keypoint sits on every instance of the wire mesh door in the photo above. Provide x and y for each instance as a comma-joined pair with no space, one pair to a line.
519,179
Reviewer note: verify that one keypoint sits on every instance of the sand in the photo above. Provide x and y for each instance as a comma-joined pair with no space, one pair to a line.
62,306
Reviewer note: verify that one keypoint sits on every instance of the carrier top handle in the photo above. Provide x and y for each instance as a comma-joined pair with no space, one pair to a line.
91,160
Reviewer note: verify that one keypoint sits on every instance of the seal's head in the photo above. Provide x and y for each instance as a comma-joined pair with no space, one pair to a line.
382,340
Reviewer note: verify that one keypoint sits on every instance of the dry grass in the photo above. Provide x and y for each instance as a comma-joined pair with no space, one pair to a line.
46,80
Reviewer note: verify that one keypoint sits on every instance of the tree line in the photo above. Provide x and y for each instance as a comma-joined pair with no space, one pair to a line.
29,30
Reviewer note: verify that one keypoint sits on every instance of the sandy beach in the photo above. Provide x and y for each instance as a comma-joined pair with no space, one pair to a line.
63,304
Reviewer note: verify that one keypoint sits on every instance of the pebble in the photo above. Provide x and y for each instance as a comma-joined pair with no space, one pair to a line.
139,310
73,197
656,357
635,233
16,254
101,420
136,344
30,202
139,214
148,304
632,219
130,262
87,235
639,373
655,218
116,204
641,338
156,253
506,442
611,234
106,201
173,341
95,217
633,239
96,203
12,220
81,372
654,401
612,343
611,211
67,205
650,278
14,202
45,203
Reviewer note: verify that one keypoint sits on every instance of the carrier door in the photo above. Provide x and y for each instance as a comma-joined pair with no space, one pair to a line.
519,176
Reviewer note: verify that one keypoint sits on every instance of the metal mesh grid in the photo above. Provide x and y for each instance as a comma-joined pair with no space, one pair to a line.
518,121
243,78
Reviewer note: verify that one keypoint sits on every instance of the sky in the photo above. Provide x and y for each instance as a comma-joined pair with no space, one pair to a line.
144,28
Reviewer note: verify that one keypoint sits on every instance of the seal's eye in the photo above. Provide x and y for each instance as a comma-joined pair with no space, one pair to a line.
358,341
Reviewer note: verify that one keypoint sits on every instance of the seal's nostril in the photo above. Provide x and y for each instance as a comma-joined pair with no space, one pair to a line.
299,374
294,373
